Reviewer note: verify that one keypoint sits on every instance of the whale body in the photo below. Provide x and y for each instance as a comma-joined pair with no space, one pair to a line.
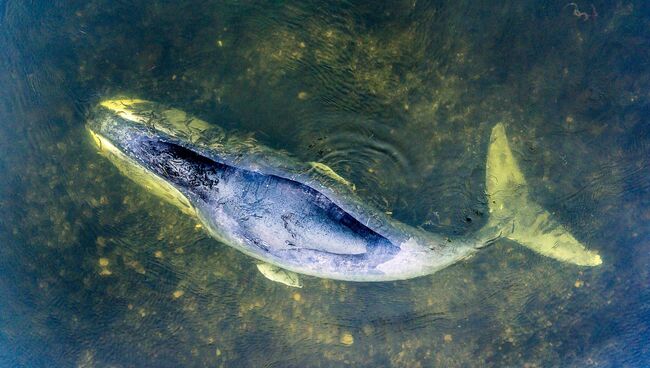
303,217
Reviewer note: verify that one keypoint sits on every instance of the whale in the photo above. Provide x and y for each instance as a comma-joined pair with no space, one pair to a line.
296,217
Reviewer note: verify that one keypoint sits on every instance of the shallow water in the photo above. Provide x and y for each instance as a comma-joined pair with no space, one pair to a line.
398,99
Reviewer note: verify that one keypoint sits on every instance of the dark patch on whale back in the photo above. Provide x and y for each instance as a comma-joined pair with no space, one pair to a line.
199,175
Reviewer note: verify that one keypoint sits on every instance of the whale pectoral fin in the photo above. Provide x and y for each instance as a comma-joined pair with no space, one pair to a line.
515,216
280,275
327,171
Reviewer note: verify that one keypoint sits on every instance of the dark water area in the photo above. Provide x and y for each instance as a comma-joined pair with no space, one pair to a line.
399,98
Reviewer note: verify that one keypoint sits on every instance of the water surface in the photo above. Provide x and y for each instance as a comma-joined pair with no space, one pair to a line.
397,98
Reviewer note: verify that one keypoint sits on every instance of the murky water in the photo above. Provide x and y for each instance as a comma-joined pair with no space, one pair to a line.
397,98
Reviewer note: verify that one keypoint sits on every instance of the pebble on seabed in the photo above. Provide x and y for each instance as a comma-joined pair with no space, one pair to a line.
103,264
178,293
347,339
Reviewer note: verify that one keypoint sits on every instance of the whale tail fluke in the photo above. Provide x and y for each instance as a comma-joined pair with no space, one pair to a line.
515,216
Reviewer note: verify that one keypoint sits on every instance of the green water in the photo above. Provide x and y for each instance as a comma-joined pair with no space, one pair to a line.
399,99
